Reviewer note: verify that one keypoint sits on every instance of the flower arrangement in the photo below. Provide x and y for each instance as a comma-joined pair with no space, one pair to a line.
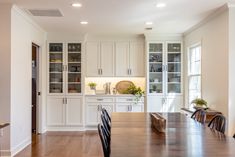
92,85
198,102
136,91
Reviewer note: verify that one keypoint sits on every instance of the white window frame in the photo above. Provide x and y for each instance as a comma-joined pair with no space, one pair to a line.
190,75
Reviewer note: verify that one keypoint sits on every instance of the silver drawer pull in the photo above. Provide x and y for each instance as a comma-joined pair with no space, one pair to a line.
100,99
129,99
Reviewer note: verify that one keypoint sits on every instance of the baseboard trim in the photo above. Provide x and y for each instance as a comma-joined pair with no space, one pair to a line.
20,146
5,153
86,128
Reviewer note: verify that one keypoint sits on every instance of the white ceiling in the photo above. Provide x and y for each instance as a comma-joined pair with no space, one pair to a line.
121,16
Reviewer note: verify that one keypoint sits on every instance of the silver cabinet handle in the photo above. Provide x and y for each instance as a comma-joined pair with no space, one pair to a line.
65,100
130,71
128,108
98,71
131,107
129,99
98,107
101,72
100,99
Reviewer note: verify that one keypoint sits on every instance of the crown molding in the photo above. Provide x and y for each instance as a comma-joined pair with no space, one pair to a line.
27,18
214,14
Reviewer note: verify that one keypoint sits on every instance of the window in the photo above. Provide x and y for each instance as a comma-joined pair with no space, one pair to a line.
194,72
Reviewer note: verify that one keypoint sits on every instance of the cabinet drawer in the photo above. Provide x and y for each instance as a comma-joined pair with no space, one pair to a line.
128,99
99,99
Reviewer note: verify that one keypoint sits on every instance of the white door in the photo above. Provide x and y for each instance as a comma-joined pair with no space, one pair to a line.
92,114
74,111
55,111
120,107
107,58
137,65
122,58
155,103
92,59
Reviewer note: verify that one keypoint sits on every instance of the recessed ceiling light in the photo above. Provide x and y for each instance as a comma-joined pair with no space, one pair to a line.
161,5
149,23
77,5
84,22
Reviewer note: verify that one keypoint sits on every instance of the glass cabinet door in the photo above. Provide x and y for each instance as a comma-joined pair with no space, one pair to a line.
74,68
174,67
56,68
155,67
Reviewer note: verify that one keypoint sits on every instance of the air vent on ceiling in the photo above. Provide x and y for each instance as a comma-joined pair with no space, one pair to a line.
46,12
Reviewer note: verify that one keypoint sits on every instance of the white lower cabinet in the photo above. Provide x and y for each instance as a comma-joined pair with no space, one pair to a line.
128,104
63,111
74,111
55,111
94,104
162,104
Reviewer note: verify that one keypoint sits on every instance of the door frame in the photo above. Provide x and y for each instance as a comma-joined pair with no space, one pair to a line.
38,88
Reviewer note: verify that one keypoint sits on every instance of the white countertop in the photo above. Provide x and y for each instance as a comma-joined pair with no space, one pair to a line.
109,95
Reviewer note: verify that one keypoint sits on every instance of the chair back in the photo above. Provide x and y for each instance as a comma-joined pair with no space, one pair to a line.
106,126
199,115
106,114
104,141
218,122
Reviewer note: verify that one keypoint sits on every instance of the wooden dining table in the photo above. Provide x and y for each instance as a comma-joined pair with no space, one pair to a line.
133,136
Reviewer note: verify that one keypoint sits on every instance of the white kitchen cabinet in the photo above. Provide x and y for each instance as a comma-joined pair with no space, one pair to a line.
64,68
129,59
92,114
107,59
55,111
174,103
137,65
92,58
73,111
94,106
122,58
99,59
128,104
64,111
164,76
155,103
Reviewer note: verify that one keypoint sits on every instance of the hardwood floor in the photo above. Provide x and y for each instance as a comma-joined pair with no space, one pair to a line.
64,144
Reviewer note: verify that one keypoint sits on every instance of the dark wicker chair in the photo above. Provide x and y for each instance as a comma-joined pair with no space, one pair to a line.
199,115
106,114
218,122
106,126
104,141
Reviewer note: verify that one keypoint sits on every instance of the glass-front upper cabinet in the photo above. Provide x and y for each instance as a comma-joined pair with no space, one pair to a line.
73,68
64,64
174,67
155,59
164,68
56,68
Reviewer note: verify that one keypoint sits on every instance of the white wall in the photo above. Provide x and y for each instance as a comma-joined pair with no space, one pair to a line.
23,33
214,38
5,76
231,70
